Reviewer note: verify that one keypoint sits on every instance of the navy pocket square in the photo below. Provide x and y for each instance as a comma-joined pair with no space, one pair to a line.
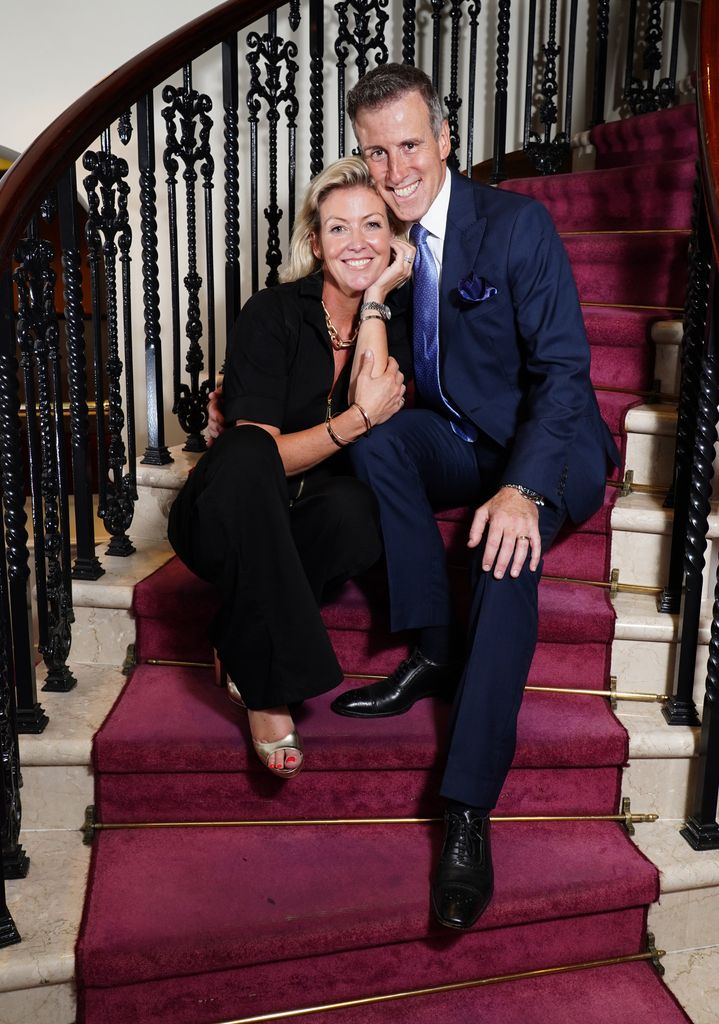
475,289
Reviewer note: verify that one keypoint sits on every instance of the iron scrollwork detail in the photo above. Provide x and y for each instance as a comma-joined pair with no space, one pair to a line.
546,153
645,98
38,339
191,108
275,53
107,231
359,38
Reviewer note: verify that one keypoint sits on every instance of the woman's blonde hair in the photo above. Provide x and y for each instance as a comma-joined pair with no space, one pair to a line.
350,172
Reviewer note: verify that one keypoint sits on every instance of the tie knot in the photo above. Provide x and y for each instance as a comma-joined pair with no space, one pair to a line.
418,234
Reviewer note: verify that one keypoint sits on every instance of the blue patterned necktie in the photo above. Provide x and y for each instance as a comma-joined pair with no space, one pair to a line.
425,301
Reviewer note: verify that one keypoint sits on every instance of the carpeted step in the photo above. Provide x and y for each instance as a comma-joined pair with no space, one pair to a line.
622,349
173,610
621,994
647,138
199,925
174,748
630,269
642,196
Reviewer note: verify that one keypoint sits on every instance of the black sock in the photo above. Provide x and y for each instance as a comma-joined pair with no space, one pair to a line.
435,643
458,807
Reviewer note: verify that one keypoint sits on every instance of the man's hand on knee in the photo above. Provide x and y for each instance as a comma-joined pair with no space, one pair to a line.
511,522
215,413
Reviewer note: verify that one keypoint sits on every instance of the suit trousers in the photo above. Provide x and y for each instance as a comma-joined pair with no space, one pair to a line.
272,560
415,464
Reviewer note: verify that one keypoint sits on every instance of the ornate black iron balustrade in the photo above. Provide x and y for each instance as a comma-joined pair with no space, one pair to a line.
276,54
360,38
646,96
108,232
38,338
191,109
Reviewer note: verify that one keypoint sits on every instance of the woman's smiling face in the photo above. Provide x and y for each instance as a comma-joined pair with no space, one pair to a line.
353,242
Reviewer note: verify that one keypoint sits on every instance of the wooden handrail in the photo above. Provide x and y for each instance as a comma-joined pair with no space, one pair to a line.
33,174
708,105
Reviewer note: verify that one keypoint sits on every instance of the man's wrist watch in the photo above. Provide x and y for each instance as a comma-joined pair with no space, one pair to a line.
527,493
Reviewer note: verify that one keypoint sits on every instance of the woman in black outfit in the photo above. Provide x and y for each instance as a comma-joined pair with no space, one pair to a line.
272,515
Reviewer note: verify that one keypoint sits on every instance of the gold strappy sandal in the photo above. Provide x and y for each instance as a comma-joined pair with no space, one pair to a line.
263,749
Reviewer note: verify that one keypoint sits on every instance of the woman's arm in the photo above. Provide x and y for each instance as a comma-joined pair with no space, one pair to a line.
372,335
379,397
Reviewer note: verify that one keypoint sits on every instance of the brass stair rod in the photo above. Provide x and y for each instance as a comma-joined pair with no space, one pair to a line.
661,396
638,488
456,986
622,588
640,819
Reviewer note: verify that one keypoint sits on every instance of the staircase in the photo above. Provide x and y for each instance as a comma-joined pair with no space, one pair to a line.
198,925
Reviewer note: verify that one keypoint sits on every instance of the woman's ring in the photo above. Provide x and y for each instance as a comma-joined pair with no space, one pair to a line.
408,259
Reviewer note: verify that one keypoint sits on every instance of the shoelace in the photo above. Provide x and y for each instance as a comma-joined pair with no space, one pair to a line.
464,839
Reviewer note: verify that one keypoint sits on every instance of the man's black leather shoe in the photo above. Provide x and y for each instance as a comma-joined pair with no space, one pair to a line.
464,881
414,678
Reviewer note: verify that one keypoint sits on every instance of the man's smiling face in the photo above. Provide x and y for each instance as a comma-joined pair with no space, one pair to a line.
405,159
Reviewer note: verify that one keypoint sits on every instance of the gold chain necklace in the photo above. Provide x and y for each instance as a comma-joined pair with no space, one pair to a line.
335,339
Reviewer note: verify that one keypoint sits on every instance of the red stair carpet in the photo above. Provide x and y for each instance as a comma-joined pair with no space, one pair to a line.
197,925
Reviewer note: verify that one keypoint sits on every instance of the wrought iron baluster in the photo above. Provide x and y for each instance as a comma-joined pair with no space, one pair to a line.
668,85
644,98
453,101
192,110
409,30
695,318
362,42
87,566
295,15
680,709
231,102
529,77
500,97
437,6
569,90
15,862
702,830
31,717
473,12
317,49
600,62
547,154
276,54
38,338
124,127
156,452
108,231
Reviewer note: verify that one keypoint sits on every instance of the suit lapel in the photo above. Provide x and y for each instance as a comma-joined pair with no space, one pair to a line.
462,242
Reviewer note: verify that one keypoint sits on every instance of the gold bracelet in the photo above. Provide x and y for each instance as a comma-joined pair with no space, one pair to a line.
341,442
363,414
371,316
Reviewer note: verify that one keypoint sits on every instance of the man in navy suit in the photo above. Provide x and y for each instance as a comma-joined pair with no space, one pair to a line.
506,421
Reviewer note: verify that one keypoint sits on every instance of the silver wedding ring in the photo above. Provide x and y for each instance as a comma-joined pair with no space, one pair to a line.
408,259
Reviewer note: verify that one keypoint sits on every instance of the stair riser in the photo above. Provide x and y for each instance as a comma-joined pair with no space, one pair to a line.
638,270
687,920
647,666
661,785
101,636
651,457
291,985
48,1004
56,796
242,796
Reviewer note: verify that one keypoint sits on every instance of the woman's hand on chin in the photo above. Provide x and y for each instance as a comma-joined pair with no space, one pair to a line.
395,274
382,396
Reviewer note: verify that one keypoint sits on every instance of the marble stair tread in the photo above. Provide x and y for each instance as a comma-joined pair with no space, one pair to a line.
638,619
115,588
74,718
46,907
173,475
668,332
645,513
680,867
651,736
654,418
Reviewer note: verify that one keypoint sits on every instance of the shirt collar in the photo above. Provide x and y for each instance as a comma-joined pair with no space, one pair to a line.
435,219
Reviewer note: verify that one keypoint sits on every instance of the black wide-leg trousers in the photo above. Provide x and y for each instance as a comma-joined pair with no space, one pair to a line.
415,463
272,561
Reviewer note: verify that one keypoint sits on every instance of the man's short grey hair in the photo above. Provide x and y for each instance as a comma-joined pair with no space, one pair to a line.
387,83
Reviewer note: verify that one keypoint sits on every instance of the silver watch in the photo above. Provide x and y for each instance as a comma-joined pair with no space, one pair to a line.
376,307
527,493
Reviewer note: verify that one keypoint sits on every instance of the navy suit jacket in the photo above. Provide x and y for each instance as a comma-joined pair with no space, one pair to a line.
517,363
